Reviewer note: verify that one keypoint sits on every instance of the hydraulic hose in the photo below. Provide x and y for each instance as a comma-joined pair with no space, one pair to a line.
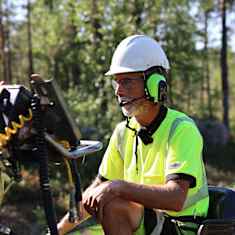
42,156
76,194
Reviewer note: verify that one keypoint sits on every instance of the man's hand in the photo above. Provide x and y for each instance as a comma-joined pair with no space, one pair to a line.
65,226
95,199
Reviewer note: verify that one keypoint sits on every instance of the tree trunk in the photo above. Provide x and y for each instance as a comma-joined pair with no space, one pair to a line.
207,70
74,66
3,49
30,51
202,92
224,66
137,11
97,39
9,57
95,22
8,46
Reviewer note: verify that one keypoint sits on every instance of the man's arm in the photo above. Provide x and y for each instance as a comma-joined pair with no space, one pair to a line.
64,225
170,196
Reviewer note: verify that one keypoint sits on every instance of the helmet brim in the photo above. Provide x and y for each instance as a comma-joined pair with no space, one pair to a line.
119,70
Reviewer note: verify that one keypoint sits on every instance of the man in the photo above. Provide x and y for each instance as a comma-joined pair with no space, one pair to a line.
152,168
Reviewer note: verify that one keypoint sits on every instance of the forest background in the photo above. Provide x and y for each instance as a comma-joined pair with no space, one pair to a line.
72,41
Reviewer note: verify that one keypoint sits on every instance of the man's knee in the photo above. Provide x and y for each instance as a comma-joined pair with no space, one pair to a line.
119,209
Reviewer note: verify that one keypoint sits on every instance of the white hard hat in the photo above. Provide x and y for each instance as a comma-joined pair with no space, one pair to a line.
137,53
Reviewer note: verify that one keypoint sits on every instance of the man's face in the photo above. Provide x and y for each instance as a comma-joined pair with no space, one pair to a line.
129,88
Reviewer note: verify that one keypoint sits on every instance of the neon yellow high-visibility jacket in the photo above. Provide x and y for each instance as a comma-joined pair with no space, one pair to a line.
175,153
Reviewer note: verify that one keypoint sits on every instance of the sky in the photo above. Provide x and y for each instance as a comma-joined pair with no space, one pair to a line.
214,32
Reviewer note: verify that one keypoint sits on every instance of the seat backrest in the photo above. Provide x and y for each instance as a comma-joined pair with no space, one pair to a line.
222,203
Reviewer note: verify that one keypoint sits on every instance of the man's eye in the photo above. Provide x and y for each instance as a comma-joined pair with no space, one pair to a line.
128,81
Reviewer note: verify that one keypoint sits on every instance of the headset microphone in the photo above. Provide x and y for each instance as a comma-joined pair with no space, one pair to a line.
123,103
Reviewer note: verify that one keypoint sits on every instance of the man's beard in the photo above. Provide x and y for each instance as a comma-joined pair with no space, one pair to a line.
131,107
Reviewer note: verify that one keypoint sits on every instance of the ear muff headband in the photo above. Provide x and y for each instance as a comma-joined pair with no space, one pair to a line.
156,88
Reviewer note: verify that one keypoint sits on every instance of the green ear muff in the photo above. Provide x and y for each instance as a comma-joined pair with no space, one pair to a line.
156,87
